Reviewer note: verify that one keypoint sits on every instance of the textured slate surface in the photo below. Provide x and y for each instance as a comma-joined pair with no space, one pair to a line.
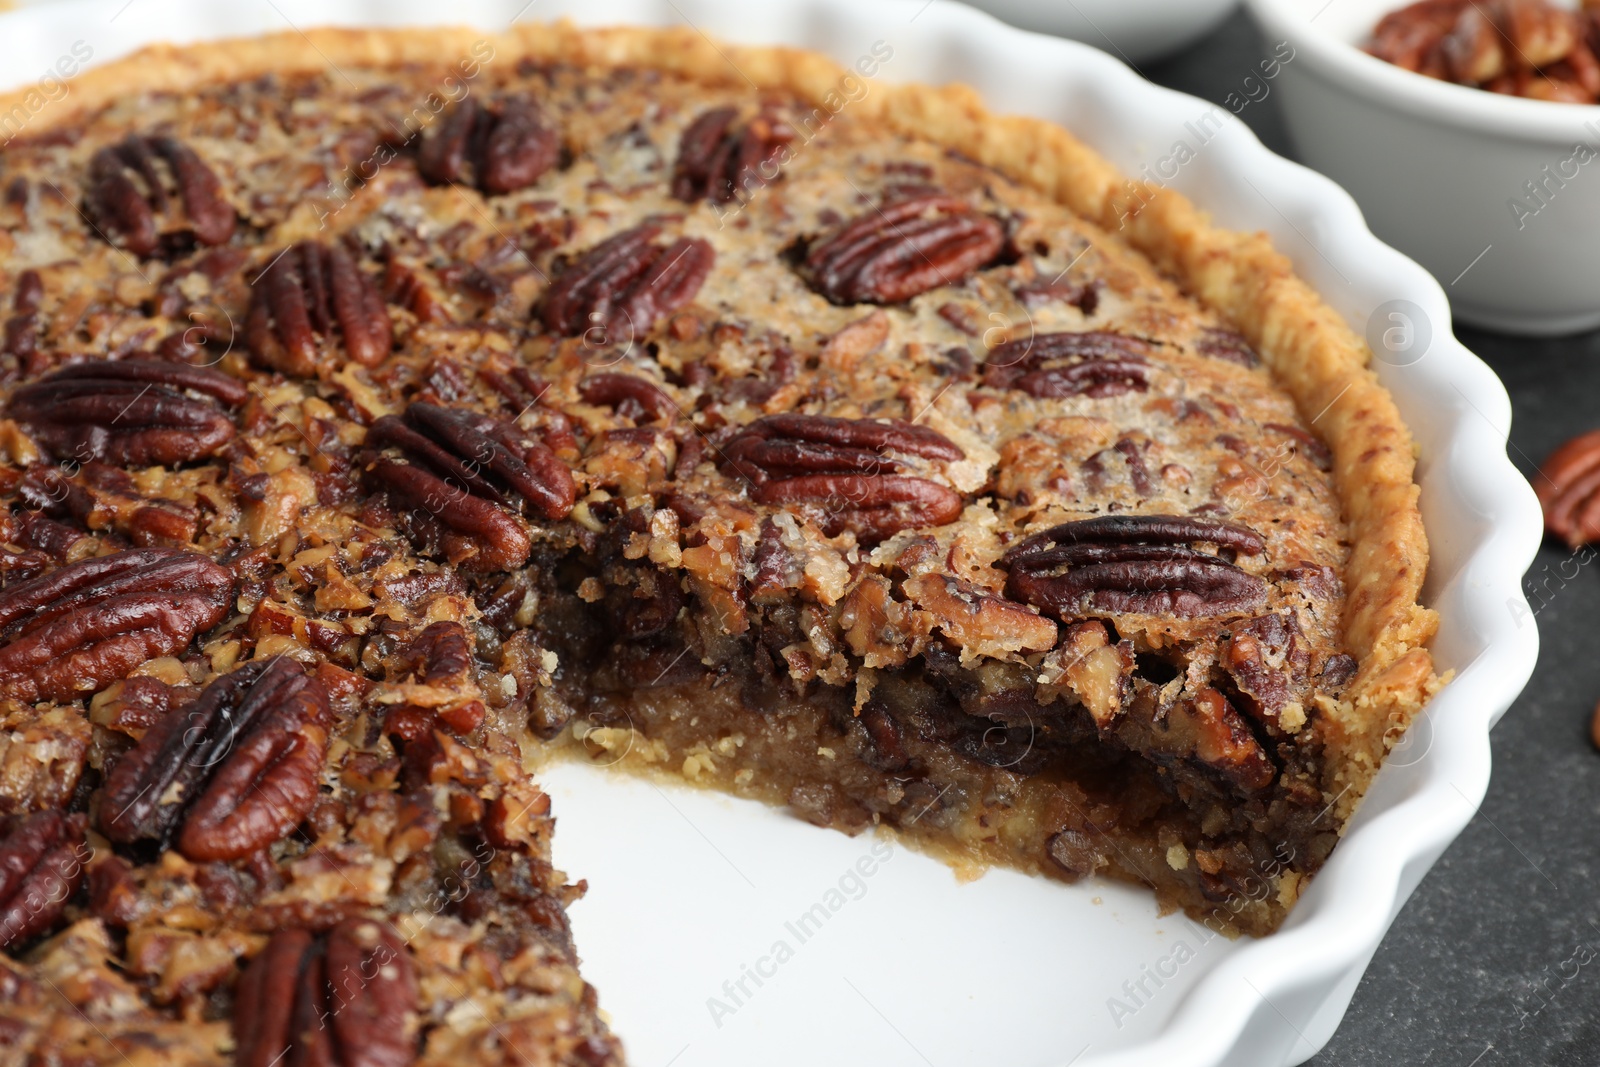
1496,958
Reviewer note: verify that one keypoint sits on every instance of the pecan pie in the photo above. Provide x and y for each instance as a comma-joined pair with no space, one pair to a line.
384,413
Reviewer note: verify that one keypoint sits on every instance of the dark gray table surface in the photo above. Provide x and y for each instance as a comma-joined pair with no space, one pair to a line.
1496,958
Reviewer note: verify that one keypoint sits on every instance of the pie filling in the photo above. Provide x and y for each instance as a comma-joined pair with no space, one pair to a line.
361,453
1106,757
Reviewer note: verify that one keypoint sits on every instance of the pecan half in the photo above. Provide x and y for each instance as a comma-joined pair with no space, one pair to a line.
1135,564
907,246
718,158
1568,487
500,148
237,770
1228,345
619,289
346,1000
1096,363
303,298
1410,37
41,866
76,630
629,396
471,473
130,195
844,471
130,412
21,336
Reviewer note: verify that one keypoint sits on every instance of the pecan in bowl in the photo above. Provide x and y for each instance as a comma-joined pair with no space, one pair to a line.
1530,48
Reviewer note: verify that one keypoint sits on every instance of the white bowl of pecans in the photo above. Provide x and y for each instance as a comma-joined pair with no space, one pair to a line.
1470,145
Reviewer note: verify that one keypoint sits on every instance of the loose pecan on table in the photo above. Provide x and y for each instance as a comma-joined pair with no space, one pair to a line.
845,471
500,148
130,412
1568,487
471,473
619,289
348,999
719,158
42,858
1095,363
230,774
74,631
907,246
1135,564
130,197
1520,47
303,298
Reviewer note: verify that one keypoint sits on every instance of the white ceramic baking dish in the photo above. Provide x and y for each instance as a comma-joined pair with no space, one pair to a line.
1136,31
693,895
1496,195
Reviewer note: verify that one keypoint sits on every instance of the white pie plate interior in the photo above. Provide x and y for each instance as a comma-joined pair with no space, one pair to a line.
691,929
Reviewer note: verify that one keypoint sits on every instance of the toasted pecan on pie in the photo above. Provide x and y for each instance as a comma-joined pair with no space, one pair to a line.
359,453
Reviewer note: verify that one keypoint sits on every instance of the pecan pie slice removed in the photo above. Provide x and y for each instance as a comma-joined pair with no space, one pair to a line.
910,480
